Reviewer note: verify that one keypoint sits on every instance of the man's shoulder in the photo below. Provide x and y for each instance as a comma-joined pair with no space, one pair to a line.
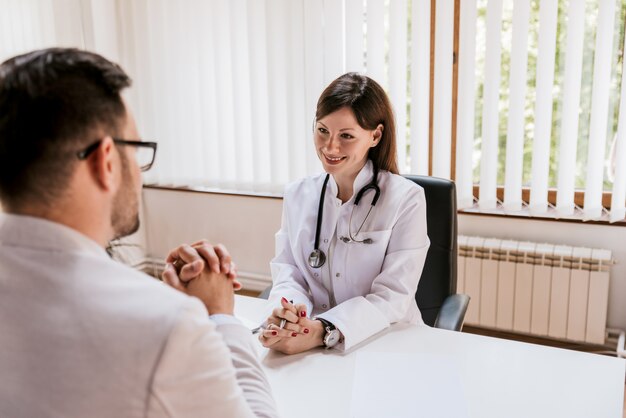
139,288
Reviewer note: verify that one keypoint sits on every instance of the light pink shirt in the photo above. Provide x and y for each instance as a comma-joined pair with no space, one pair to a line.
84,336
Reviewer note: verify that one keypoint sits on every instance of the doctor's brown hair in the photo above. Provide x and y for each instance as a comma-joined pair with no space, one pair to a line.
370,106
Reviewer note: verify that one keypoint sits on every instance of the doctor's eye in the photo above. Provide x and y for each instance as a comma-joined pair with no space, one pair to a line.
346,136
323,130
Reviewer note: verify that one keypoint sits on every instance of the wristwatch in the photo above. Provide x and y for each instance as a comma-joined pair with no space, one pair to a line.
332,335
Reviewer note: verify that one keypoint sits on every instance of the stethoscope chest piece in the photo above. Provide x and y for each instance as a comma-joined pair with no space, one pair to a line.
317,258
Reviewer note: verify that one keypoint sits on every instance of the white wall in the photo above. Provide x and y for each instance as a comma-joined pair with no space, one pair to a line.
246,225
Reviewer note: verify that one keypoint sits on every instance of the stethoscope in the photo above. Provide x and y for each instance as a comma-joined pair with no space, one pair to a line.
317,257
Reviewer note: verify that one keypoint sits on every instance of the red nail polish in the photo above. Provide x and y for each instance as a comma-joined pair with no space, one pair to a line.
306,330
293,334
274,332
285,300
302,314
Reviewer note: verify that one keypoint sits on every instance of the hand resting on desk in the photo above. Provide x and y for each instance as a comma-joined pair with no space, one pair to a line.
299,333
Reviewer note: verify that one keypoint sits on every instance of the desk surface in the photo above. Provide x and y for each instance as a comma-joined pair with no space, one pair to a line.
500,378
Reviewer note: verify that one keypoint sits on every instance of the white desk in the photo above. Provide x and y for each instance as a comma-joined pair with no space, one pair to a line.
500,378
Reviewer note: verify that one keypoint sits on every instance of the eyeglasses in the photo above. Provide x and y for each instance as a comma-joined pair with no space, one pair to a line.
146,151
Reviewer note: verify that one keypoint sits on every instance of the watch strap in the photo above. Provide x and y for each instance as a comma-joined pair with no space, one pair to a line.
327,324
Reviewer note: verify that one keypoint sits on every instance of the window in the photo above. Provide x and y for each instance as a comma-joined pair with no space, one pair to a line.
546,104
530,108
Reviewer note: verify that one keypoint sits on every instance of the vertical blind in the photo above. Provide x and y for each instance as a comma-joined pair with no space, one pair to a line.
228,88
235,83
534,113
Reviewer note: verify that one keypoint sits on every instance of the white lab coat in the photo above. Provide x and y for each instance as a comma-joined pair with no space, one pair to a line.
374,284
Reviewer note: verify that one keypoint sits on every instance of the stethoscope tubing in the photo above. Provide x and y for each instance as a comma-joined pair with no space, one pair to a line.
317,258
320,213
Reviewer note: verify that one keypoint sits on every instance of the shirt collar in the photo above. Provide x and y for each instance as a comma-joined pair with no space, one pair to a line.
39,233
361,180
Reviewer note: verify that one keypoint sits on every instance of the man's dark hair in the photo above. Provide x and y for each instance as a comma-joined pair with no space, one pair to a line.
52,104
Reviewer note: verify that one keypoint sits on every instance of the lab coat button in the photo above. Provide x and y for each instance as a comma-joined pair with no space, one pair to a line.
325,240
324,306
338,275
316,274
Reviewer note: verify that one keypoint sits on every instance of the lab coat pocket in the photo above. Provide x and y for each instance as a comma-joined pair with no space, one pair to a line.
365,261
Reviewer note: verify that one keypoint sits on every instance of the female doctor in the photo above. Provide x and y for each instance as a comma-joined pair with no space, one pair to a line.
353,240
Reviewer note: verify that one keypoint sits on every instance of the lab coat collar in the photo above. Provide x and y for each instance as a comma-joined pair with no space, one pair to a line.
39,233
362,179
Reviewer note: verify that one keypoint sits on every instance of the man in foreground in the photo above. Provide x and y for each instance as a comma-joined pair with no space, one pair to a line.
84,336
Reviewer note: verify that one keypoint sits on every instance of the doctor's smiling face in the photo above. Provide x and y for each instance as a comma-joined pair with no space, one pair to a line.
343,145
354,122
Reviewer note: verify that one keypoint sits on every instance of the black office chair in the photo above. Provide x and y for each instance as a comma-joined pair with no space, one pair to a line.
435,296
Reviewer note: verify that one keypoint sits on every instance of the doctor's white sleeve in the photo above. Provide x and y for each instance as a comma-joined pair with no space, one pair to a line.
288,280
393,290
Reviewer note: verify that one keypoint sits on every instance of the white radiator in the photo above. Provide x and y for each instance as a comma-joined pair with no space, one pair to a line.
546,290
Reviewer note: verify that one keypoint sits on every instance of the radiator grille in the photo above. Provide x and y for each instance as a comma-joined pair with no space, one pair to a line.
546,290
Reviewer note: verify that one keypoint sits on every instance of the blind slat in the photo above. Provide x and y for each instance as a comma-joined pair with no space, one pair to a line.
543,106
104,29
277,38
257,37
571,104
313,72
599,110
466,97
420,86
618,198
355,41
47,36
211,144
297,103
491,101
27,24
398,67
134,27
241,92
180,94
166,166
442,107
333,40
226,106
517,96
187,99
189,93
376,41
68,24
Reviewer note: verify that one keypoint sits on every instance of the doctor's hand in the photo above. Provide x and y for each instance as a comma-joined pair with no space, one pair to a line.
288,313
298,334
188,261
290,342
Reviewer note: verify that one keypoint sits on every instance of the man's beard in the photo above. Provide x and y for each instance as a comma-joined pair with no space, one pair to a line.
125,215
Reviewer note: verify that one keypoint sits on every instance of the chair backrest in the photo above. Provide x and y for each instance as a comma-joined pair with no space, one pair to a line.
438,279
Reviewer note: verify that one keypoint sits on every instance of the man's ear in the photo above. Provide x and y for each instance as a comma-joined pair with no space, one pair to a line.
103,164
377,135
